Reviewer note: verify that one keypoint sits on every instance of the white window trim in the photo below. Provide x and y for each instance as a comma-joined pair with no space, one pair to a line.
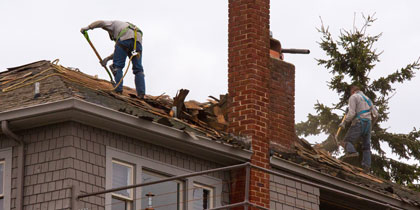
121,197
4,180
211,194
127,158
140,162
6,156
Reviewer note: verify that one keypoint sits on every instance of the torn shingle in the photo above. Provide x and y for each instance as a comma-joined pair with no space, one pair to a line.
195,119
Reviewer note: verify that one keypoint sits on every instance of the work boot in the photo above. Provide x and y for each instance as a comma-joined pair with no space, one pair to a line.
349,155
366,169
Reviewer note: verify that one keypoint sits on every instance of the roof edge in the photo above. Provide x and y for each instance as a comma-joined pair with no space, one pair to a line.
329,181
95,115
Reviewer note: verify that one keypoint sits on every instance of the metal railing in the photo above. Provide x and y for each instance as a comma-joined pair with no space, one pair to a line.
245,203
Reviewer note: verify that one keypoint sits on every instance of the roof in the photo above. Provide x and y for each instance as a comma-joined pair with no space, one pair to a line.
59,83
322,161
206,119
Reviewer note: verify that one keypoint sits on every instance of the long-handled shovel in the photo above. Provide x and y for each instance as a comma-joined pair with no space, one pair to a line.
339,129
97,55
331,143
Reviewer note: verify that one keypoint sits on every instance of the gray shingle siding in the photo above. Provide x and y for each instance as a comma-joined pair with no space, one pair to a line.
60,155
289,194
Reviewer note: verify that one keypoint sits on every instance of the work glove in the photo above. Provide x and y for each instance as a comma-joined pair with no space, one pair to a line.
342,125
82,30
103,62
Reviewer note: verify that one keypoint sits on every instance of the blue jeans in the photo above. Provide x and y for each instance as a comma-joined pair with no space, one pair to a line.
120,55
354,133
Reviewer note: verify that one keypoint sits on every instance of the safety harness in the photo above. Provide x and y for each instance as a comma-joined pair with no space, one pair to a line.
130,26
124,31
133,53
364,121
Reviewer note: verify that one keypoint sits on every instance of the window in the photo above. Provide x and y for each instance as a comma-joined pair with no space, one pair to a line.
122,175
168,195
124,168
202,197
1,185
5,177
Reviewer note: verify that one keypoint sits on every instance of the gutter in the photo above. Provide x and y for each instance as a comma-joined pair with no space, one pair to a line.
20,163
98,116
332,182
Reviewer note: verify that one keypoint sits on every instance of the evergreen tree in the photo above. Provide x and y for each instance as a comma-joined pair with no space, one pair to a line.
350,59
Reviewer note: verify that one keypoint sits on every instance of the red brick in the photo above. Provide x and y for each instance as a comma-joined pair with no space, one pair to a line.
248,72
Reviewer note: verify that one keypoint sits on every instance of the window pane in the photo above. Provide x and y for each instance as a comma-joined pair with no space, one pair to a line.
1,177
118,204
167,194
122,176
201,198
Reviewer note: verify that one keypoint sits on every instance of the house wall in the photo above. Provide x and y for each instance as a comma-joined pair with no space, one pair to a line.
60,155
47,160
286,194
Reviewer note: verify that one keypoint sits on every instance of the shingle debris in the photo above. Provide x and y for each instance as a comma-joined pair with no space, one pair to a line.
195,119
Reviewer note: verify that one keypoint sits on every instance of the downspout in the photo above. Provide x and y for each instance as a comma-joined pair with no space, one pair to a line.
20,163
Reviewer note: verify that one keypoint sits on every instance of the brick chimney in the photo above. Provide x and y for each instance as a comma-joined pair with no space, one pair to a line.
249,73
281,100
261,93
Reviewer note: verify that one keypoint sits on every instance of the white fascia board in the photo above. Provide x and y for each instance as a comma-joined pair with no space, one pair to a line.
95,115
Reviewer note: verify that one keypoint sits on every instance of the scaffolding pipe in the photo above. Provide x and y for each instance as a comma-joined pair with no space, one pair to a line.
230,206
247,183
246,202
74,192
324,187
165,180
257,206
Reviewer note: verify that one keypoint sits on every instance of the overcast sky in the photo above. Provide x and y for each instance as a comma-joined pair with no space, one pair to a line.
185,43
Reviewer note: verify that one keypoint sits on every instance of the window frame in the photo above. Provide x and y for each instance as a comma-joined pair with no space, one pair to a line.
162,175
141,163
211,193
126,158
6,158
2,161
128,200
